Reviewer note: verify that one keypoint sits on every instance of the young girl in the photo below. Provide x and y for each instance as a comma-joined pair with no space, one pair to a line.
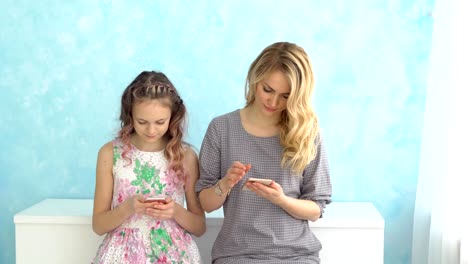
275,137
148,159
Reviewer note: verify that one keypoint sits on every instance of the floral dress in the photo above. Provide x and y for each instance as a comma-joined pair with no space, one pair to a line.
141,238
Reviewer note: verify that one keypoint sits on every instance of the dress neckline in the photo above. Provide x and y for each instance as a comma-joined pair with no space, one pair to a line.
239,120
144,151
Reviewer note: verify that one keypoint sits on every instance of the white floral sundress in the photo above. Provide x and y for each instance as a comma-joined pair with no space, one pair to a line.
141,238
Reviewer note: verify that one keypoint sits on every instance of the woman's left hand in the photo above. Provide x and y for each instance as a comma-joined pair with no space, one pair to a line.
273,192
163,210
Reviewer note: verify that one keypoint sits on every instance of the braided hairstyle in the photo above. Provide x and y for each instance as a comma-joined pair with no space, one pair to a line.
150,85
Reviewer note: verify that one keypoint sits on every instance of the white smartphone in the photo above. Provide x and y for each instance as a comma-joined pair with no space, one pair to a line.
158,198
262,181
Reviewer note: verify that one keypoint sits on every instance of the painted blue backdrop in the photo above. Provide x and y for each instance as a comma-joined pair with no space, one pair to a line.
64,65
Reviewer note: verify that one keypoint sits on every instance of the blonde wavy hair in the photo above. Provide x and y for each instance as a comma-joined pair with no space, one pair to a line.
298,123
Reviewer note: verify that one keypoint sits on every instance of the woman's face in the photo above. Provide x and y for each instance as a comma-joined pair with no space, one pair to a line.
272,94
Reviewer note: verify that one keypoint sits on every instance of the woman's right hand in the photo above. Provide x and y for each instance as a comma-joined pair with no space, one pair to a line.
234,174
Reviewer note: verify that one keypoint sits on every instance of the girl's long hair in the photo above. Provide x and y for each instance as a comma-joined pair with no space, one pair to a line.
150,85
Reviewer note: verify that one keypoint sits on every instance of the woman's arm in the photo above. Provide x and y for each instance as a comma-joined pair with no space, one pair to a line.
212,187
106,219
315,191
210,201
301,209
297,208
208,196
210,170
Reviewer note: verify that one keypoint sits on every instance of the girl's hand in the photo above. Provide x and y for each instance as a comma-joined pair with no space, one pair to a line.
273,192
136,204
234,175
163,210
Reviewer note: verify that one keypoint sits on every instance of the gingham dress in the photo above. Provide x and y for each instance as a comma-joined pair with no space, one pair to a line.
255,230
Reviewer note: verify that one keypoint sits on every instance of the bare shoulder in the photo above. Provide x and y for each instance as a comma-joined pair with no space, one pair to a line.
191,165
106,153
190,156
106,148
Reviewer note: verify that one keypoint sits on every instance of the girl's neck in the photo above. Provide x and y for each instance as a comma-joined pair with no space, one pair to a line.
148,147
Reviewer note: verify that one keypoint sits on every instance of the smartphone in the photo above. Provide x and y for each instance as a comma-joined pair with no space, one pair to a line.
262,181
158,198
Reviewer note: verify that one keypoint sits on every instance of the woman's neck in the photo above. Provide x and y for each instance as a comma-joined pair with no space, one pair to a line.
256,117
257,124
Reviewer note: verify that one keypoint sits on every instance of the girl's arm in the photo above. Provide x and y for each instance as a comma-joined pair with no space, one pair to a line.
191,219
106,219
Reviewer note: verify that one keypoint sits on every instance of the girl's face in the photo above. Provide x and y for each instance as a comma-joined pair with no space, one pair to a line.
151,121
272,94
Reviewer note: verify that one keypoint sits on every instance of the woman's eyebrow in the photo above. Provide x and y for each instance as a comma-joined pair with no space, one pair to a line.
267,85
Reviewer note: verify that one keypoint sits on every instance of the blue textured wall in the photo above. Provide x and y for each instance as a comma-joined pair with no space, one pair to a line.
63,67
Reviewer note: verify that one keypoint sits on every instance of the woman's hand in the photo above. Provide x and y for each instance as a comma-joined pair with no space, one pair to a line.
273,192
163,210
233,175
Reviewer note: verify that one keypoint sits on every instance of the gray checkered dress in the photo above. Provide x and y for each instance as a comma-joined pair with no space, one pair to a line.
255,230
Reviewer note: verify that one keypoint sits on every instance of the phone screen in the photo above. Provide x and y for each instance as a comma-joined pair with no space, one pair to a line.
155,199
262,181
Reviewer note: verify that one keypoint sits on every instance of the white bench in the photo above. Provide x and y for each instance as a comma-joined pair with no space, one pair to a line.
59,231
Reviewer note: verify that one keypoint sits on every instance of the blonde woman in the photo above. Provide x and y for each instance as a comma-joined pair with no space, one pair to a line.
274,138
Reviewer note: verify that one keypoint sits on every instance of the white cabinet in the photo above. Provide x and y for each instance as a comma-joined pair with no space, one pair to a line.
350,233
56,231
59,231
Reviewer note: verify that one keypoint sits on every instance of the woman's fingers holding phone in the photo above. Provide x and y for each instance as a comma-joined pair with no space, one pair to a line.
248,167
